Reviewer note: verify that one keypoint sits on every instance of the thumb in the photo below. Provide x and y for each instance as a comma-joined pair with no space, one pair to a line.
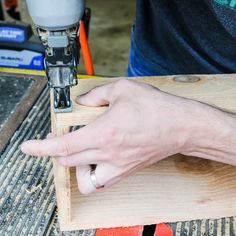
99,96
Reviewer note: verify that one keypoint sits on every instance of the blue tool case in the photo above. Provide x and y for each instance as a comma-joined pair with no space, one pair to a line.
20,48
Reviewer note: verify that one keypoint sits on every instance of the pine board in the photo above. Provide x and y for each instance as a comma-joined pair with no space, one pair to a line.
176,189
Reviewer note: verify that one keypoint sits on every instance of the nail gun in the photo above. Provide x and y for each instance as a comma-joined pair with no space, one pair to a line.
57,24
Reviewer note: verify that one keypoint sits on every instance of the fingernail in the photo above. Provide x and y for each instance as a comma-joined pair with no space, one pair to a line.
24,148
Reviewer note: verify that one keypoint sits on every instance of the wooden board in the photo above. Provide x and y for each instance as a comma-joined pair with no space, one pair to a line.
178,188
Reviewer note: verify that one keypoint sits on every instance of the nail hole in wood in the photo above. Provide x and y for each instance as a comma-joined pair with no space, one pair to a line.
186,78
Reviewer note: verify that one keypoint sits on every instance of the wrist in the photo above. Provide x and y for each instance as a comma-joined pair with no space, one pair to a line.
211,134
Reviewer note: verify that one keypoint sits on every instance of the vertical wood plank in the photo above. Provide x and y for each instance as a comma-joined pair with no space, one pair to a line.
61,178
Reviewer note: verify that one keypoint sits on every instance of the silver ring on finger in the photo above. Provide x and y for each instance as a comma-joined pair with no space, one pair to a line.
94,180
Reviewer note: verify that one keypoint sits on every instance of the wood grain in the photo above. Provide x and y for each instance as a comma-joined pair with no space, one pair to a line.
176,189
216,90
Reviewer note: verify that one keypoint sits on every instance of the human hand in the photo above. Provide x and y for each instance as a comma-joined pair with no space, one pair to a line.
141,126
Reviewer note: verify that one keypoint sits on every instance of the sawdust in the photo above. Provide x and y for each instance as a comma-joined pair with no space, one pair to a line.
34,189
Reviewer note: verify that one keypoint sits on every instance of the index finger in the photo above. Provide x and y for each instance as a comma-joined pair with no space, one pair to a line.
88,137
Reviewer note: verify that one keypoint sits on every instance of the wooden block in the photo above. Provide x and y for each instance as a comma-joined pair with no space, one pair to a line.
176,189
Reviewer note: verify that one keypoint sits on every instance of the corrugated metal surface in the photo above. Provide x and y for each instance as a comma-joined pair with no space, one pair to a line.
219,227
12,92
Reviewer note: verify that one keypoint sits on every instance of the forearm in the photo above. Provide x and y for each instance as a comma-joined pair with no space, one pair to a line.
212,135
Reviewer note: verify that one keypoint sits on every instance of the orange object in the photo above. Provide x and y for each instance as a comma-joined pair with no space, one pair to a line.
163,230
85,50
123,231
10,3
